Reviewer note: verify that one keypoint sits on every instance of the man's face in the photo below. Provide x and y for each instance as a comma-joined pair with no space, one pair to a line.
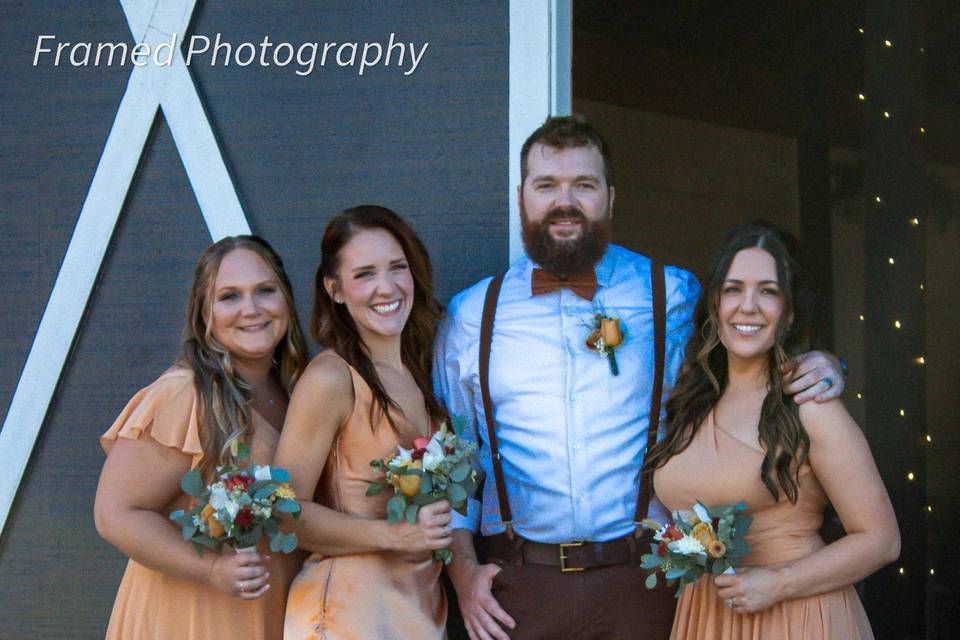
565,208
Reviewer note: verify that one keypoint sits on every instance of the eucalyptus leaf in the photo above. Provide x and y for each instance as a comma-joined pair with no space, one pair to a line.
459,424
279,474
651,581
188,530
673,574
265,491
719,566
460,472
422,500
243,451
411,513
286,505
456,494
192,483
651,561
374,488
395,508
206,541
426,485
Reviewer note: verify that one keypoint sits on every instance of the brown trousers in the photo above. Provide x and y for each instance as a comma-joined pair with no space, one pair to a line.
608,603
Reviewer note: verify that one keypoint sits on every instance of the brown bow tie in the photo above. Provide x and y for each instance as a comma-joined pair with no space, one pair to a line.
583,284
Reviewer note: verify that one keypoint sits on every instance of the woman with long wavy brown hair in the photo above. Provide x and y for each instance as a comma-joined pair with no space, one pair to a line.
368,392
241,354
734,434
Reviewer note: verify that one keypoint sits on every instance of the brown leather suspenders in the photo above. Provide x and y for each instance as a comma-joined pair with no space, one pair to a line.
486,338
659,350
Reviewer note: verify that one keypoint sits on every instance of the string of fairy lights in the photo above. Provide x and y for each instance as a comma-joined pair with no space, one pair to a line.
919,360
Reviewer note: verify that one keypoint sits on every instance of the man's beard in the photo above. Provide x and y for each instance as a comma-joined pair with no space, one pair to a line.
564,258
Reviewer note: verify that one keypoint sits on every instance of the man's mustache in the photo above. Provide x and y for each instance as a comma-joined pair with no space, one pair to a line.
565,213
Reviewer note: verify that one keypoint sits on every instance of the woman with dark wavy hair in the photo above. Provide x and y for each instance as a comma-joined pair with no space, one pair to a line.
366,393
241,353
735,435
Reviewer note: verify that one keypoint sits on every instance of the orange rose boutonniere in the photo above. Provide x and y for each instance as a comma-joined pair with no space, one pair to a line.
605,336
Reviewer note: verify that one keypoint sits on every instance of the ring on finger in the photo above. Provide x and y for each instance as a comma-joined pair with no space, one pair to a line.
829,381
730,603
242,586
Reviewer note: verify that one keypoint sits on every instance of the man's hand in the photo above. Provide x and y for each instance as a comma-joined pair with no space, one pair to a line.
482,614
813,376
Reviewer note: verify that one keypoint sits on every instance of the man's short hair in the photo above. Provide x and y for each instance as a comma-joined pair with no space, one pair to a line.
567,132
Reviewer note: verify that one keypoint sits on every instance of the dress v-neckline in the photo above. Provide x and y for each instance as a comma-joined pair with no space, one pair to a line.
717,427
413,427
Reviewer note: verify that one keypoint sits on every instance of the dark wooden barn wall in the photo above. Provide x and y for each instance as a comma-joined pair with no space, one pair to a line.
432,145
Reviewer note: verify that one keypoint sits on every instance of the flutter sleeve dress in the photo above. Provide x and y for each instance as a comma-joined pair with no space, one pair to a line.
718,469
151,605
365,596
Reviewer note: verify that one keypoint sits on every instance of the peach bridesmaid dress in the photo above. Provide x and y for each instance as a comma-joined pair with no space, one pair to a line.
151,605
718,468
365,596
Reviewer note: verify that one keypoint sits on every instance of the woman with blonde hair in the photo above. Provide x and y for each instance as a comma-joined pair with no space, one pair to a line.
241,353
367,393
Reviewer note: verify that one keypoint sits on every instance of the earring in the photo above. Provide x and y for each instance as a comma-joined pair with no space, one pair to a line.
338,299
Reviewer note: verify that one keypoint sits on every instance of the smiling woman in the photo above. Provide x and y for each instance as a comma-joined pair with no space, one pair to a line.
241,354
735,434
369,392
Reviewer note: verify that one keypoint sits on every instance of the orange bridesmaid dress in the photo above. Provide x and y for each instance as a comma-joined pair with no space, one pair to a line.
365,596
718,468
151,605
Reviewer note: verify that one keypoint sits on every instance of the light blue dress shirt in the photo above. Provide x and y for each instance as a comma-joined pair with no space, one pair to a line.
571,434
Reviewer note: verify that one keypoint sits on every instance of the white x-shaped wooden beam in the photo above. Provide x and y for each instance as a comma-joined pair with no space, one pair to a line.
150,86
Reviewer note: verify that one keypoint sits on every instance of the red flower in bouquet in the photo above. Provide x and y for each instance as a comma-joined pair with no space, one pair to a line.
239,481
244,518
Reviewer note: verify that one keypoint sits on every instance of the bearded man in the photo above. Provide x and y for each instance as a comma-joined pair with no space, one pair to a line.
562,364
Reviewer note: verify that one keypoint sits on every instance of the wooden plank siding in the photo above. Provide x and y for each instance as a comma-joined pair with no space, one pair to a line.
432,145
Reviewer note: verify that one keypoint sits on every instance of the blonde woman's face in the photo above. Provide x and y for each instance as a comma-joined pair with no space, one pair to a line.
250,314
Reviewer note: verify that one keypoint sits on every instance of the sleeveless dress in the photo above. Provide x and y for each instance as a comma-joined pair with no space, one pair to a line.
152,605
718,468
365,596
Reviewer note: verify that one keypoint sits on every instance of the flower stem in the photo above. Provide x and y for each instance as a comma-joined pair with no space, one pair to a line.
613,363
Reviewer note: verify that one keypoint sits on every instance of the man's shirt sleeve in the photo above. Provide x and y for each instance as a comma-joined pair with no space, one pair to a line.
449,360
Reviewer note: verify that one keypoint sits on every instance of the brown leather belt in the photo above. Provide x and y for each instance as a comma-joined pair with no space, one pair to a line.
569,556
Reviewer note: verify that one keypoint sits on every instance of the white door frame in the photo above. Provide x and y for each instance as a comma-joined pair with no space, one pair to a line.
541,45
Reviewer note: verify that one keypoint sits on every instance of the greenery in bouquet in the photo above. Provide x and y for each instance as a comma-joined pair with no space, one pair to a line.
440,467
708,541
241,506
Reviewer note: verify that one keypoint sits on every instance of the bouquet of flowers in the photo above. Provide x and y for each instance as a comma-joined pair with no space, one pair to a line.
710,541
239,507
437,468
